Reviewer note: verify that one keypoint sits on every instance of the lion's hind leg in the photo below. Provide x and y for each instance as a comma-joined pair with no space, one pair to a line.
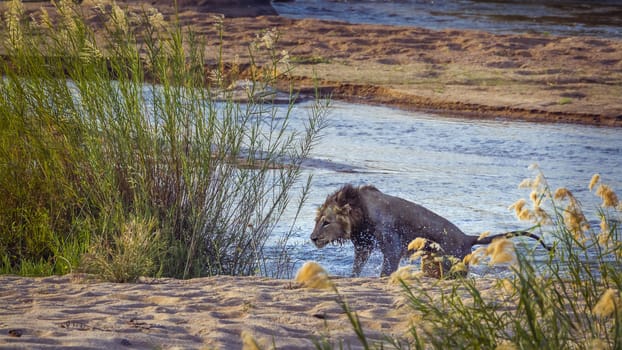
390,263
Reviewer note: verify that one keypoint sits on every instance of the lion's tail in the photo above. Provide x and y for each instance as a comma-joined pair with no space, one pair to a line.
489,239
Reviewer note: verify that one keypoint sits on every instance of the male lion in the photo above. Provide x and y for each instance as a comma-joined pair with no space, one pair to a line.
368,217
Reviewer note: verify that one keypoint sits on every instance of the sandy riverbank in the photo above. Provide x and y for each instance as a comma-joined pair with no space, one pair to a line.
469,73
75,311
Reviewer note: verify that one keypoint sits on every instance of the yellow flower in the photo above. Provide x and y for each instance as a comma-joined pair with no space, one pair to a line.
604,225
468,258
45,21
608,303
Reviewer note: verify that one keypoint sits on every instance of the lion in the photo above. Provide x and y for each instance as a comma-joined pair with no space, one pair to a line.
370,218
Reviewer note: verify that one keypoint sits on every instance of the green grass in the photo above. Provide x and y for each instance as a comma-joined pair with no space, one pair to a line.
104,172
564,101
309,59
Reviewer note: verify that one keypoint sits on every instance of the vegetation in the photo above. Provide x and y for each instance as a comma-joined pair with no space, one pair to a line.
121,154
568,299
309,59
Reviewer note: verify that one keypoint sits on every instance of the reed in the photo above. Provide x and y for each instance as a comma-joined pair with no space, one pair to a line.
569,298
122,154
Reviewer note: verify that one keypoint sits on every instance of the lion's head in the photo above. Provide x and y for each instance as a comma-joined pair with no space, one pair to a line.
332,224
338,217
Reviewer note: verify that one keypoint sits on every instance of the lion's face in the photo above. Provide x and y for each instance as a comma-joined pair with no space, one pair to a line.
332,225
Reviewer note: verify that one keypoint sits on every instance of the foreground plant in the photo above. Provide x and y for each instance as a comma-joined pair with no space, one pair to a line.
569,299
94,158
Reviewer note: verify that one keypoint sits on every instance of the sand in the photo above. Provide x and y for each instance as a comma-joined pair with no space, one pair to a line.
77,311
526,76
468,73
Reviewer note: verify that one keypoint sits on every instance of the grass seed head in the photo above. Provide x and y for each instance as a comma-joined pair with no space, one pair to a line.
313,275
248,341
417,244
574,219
562,193
608,303
609,197
594,181
418,254
501,251
507,286
459,267
526,183
483,235
404,273
506,345
597,344
13,16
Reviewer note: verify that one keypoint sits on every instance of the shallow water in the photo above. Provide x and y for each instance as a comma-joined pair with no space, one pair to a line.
464,170
561,17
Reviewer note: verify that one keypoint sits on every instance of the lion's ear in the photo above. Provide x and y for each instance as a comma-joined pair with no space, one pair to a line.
344,210
346,195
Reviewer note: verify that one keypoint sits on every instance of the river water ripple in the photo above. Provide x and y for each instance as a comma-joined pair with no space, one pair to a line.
464,170
601,18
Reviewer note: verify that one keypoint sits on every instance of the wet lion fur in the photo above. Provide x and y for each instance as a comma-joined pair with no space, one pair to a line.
370,218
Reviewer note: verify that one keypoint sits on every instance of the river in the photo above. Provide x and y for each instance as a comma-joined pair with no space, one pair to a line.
463,169
601,18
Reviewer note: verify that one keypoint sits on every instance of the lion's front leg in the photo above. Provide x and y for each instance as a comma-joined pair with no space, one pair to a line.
361,254
391,248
